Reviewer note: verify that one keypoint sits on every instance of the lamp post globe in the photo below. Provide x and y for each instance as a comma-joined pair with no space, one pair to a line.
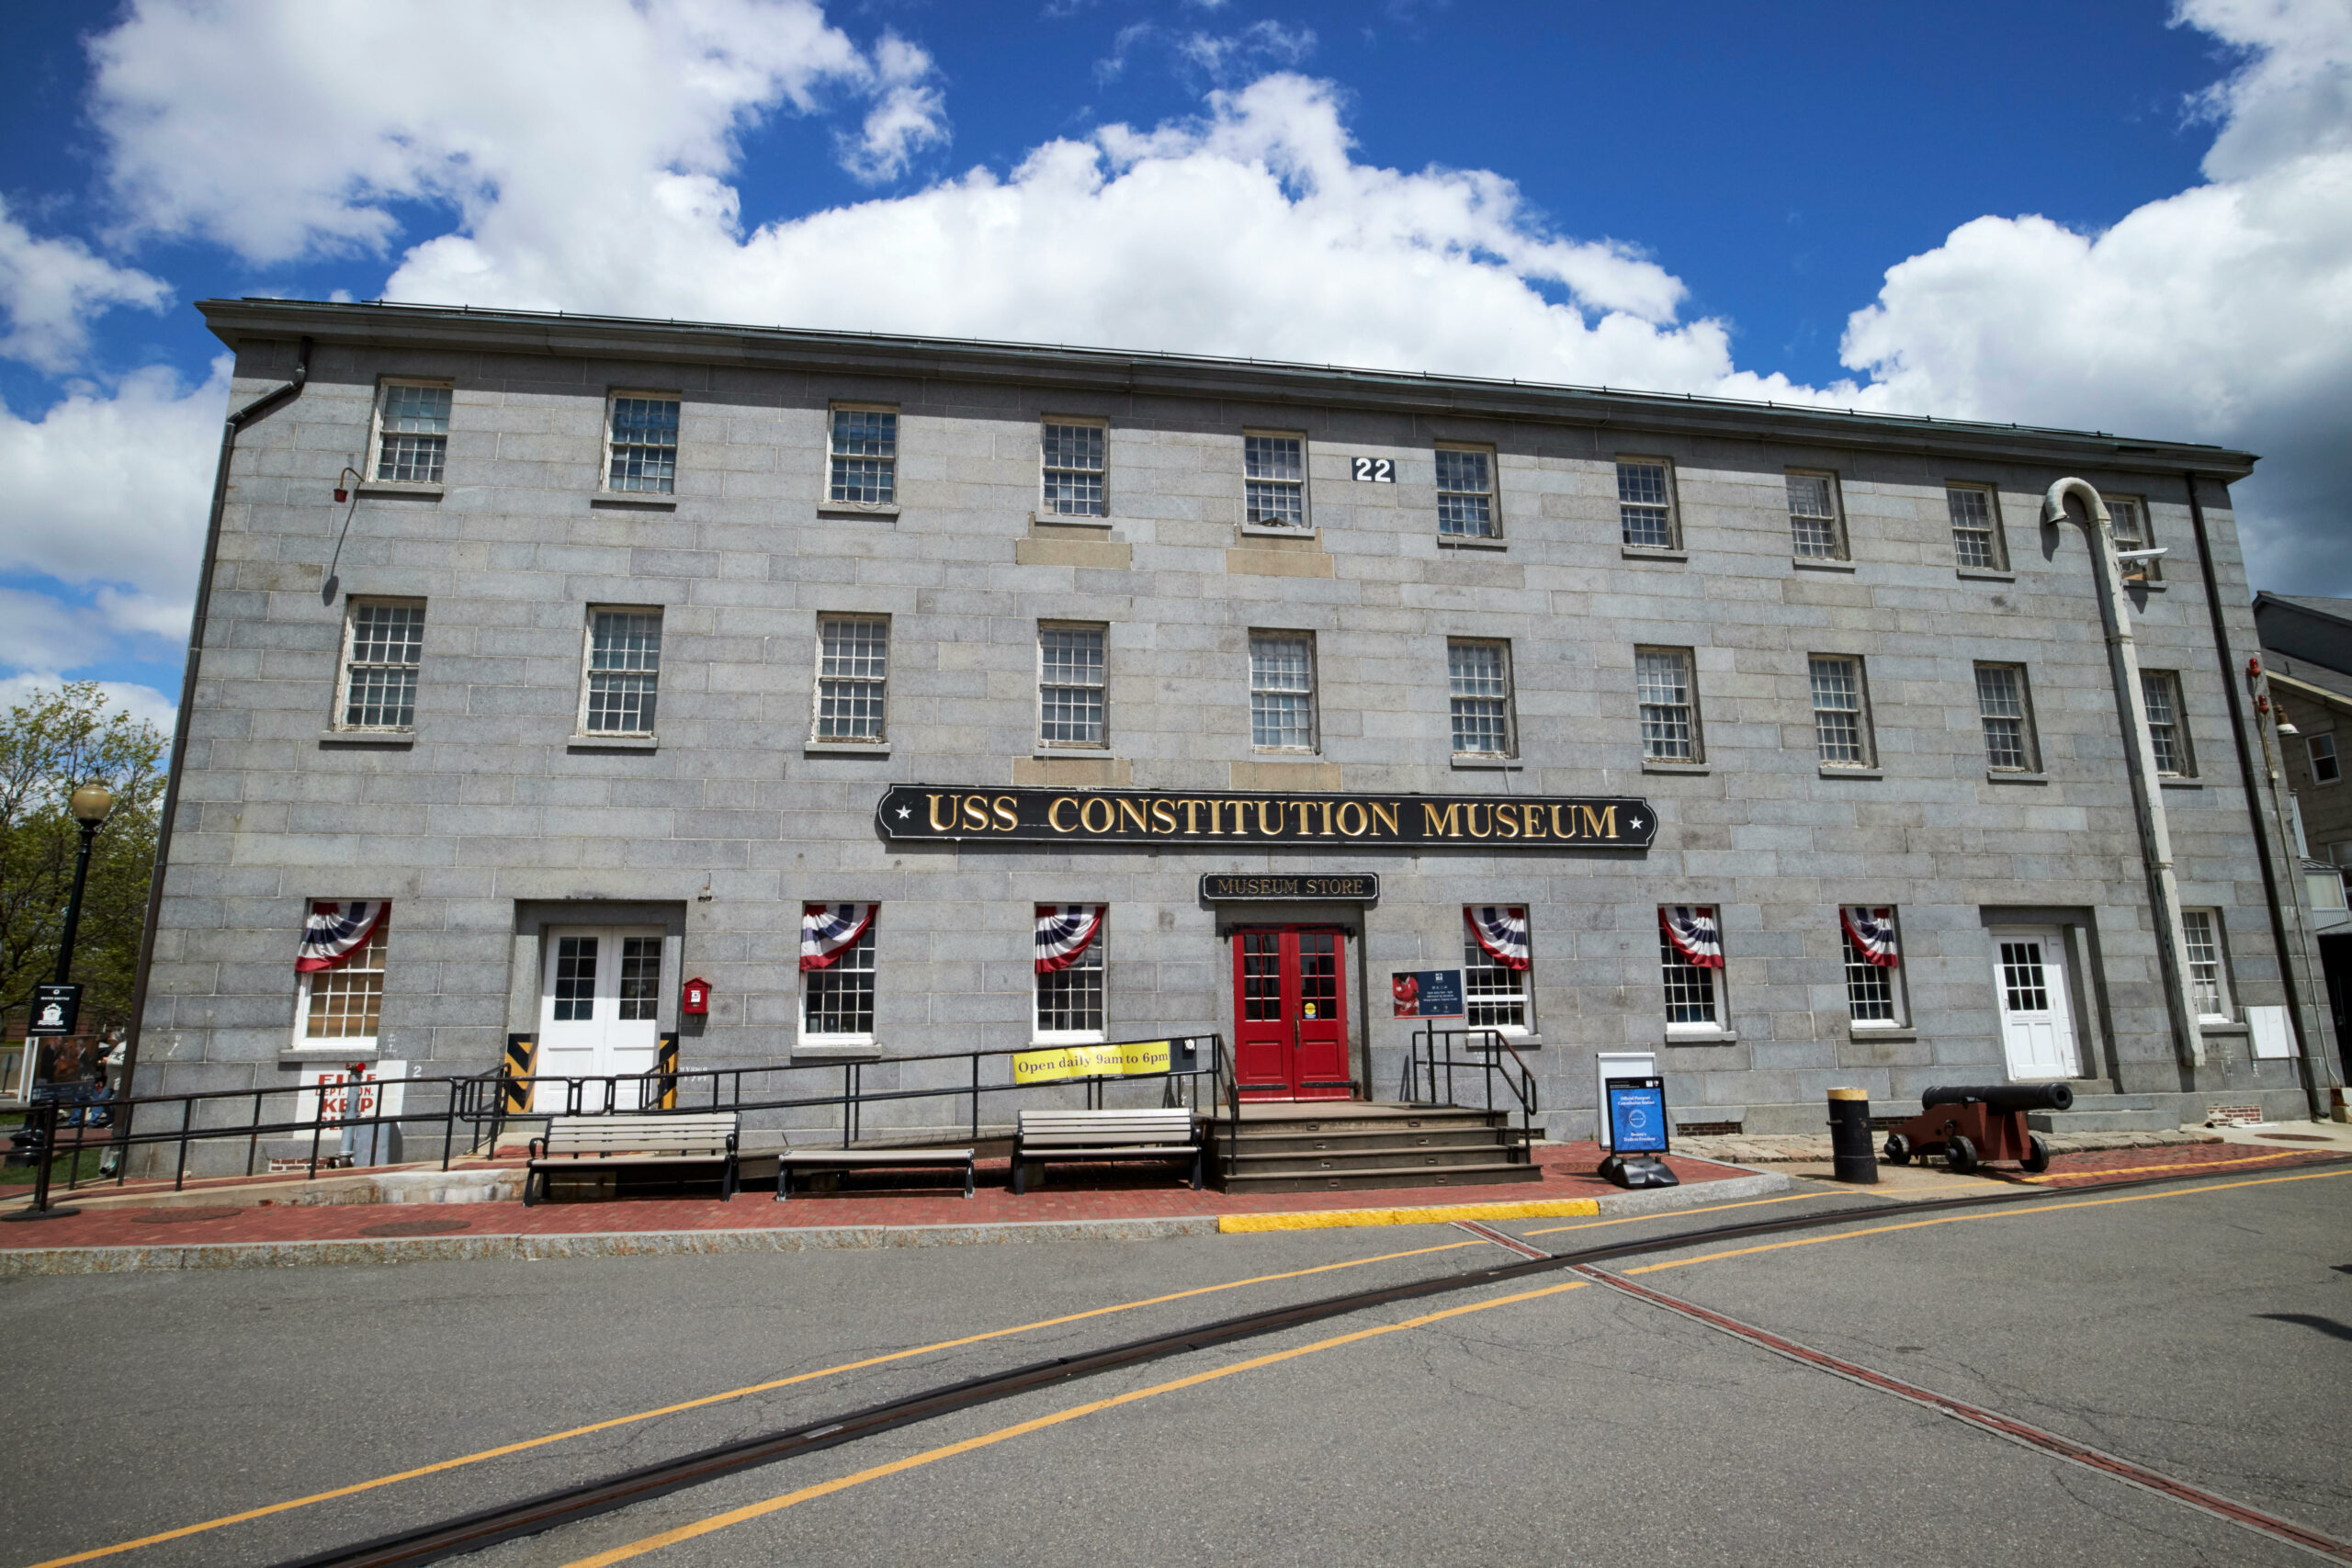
91,803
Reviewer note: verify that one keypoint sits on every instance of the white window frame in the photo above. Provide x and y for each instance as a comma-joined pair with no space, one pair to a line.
1673,509
2320,748
376,430
2184,748
329,1048
826,500
604,474
1314,697
1475,957
1996,536
1100,629
344,666
1510,698
1718,988
1493,532
1095,961
1865,740
2136,507
1689,657
1897,1000
1306,524
1047,508
2029,737
1841,549
869,942
588,671
2191,918
881,683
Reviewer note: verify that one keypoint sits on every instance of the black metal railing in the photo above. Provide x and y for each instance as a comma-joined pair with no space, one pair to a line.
471,1114
1432,1059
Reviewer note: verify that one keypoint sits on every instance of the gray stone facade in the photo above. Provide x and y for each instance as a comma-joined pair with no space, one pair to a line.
492,820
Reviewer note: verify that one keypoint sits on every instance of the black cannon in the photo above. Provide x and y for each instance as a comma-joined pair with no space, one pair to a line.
1971,1123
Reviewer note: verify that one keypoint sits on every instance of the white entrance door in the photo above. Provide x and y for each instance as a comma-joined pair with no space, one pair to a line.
2037,1027
598,1002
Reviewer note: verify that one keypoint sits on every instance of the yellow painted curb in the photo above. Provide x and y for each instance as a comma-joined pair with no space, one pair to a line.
1327,1219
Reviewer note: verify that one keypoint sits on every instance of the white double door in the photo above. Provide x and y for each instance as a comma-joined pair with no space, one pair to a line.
2037,1024
599,1007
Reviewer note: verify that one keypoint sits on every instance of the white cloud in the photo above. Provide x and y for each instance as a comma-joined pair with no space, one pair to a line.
45,634
139,702
50,289
908,117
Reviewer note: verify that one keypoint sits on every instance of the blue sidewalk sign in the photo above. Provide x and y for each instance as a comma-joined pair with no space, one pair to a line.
1426,993
1637,1116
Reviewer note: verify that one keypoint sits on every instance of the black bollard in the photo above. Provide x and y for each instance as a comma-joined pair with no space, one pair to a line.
1849,1135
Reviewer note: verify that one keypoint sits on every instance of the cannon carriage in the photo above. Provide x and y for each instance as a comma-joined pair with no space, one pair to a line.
1968,1124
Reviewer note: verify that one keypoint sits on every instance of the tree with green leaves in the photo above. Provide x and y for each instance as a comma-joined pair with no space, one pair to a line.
51,743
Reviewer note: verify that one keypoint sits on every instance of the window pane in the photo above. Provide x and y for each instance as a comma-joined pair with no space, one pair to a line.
1074,470
2326,769
852,671
1466,494
1641,507
1837,709
387,645
1070,1000
346,1002
864,456
1261,976
1282,692
1972,529
1480,688
1813,516
2025,986
2000,699
415,434
645,443
640,976
1274,480
2161,694
623,671
840,1000
1663,680
1494,996
2130,521
1689,990
1870,990
2204,945
1070,687
575,979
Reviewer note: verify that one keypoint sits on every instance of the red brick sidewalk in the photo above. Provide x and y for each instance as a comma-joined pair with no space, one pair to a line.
1106,1192
2188,1159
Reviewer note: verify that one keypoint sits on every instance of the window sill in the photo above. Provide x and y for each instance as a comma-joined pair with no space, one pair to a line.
1637,552
1902,1032
1066,1041
1056,520
382,489
1469,762
388,739
2131,587
1650,767
319,1056
616,501
1820,563
1277,531
1460,542
1072,750
1982,574
861,1047
2003,776
2221,1026
857,508
844,749
1701,1037
2181,783
1834,770
612,743
1516,1042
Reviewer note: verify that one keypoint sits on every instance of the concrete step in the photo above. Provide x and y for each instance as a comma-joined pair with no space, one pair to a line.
2115,1102
2081,1120
1372,1156
1345,1180
1267,1142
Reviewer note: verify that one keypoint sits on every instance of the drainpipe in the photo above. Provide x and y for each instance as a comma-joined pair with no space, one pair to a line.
268,402
2147,799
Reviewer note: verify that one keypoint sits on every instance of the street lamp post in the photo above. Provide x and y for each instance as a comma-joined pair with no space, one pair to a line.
90,805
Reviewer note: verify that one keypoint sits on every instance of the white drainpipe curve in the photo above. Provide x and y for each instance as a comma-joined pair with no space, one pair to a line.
2147,795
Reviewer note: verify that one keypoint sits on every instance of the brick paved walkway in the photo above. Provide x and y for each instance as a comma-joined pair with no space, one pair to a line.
2197,1159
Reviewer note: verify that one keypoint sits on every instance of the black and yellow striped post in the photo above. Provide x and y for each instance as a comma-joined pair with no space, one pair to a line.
665,1065
522,1053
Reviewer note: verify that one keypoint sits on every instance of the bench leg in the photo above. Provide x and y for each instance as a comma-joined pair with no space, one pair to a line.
1196,1170
783,1182
727,1182
967,1178
530,1178
1020,1174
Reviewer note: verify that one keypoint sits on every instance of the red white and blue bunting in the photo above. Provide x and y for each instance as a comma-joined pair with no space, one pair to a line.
828,931
1692,929
1502,931
1872,933
1064,933
334,933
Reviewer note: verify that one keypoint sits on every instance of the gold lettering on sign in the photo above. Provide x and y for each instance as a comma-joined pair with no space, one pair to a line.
937,825
1506,822
1008,813
1435,826
1240,815
1192,811
1163,817
1131,811
1273,829
1385,815
1302,808
1560,833
1086,815
976,813
1357,831
1054,814
1601,824
1470,819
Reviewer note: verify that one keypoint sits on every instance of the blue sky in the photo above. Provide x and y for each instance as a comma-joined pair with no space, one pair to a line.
2104,216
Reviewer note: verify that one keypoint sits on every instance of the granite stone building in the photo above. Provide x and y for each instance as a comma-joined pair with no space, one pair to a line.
920,696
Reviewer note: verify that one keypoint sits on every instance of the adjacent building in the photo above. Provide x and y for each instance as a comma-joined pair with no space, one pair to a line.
2307,660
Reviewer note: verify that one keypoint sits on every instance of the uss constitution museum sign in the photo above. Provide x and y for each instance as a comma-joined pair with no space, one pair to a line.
1032,816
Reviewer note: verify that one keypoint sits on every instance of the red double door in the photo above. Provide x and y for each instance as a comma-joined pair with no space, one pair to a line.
1290,1029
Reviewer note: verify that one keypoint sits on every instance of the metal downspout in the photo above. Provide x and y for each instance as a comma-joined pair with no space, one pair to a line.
266,403
2247,772
2147,804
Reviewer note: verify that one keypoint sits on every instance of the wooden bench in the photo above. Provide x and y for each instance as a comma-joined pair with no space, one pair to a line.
604,1143
789,1160
1070,1135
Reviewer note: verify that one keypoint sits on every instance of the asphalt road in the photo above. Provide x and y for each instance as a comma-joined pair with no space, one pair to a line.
2206,1333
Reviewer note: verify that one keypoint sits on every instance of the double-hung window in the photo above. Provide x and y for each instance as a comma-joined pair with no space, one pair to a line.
864,456
1841,725
1070,686
1478,681
1874,987
1498,964
623,671
837,974
641,444
340,975
2167,725
1282,691
1691,960
1071,957
1073,470
2325,766
1816,531
853,672
412,431
1645,504
383,645
1274,479
2005,712
2127,515
1975,528
1669,706
2208,985
1466,494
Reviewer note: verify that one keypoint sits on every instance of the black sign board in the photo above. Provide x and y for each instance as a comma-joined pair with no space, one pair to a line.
1217,886
56,1009
1229,819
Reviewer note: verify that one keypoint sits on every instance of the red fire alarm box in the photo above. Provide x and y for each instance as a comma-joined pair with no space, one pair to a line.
697,1000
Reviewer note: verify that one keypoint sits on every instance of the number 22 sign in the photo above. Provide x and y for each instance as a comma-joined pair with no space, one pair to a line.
1375,470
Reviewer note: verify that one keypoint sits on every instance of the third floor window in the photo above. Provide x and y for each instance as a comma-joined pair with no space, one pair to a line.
864,458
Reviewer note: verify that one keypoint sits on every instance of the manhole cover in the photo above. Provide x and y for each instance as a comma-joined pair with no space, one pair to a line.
177,1216
417,1227
2294,1137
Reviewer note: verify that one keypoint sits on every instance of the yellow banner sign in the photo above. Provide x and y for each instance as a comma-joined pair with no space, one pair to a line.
1129,1058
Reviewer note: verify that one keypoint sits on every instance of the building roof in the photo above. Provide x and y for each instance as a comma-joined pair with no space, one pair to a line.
235,321
2307,636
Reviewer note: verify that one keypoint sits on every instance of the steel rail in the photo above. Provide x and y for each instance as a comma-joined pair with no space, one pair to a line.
532,1515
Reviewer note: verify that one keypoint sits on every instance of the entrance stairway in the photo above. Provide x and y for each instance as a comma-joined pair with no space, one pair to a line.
1337,1145
2109,1112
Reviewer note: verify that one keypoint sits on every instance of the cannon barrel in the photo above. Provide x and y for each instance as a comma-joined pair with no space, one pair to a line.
2003,1097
